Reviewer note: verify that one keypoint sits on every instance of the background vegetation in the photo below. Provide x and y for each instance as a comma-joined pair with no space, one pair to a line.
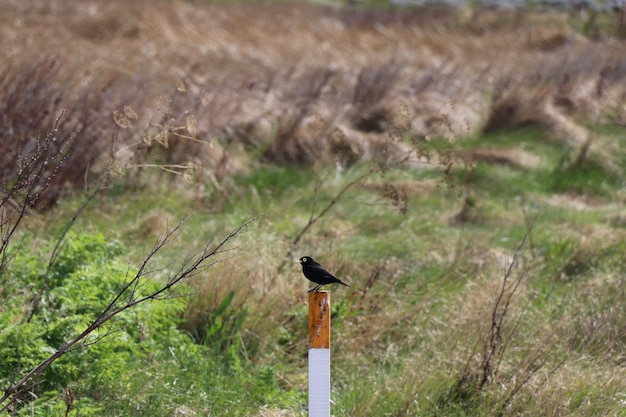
462,169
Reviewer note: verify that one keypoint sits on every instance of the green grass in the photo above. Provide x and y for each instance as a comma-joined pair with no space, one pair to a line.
409,334
430,271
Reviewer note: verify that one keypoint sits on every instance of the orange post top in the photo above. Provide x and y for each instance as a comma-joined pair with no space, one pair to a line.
319,320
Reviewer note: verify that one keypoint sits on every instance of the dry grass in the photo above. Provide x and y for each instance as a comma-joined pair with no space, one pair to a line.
300,83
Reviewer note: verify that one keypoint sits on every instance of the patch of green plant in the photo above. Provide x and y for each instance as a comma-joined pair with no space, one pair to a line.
558,171
587,177
499,182
140,361
273,181
87,275
196,378
223,324
460,399
530,138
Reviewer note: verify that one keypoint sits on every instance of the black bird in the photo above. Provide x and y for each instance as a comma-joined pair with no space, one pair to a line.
316,273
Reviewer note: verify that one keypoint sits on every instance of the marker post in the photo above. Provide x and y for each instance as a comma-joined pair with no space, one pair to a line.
319,354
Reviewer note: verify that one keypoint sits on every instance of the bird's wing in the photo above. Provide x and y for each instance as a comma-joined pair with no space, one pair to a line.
322,271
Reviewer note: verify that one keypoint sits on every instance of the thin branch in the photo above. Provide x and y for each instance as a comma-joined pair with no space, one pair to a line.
495,345
314,218
34,169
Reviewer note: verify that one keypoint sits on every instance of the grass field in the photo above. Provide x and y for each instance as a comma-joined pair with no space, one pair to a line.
462,170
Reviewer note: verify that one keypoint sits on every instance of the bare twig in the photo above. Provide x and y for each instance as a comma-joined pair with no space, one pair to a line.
498,339
314,218
34,170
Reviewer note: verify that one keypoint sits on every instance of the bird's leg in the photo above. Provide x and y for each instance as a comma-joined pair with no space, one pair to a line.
316,289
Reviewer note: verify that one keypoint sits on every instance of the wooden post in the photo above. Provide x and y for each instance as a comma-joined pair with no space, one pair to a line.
319,354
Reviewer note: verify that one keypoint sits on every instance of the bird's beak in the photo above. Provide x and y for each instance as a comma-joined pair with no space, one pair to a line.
298,260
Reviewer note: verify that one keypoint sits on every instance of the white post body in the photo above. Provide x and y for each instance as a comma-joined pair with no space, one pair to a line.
319,382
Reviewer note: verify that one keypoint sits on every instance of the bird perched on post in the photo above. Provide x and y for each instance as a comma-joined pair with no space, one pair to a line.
316,273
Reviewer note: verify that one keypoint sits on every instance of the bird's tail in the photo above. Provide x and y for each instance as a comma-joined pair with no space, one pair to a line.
343,283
